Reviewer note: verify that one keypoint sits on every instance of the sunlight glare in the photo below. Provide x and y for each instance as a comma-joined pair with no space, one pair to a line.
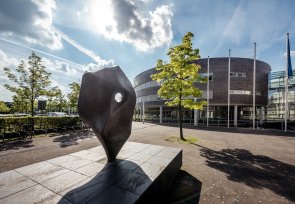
101,16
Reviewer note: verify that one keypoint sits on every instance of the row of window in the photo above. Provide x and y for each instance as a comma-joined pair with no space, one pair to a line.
147,85
155,83
238,74
153,97
244,92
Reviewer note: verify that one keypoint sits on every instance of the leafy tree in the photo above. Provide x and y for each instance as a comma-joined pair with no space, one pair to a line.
179,77
74,95
32,82
4,108
56,100
20,103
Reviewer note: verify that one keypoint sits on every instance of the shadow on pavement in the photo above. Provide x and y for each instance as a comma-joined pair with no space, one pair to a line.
241,130
72,138
15,145
113,184
185,189
256,171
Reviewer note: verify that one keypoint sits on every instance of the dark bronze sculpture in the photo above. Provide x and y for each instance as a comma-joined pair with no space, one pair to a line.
106,103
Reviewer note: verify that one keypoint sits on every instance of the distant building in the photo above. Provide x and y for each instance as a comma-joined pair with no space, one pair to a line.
276,100
241,90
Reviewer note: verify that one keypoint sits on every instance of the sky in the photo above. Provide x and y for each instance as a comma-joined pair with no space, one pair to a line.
76,36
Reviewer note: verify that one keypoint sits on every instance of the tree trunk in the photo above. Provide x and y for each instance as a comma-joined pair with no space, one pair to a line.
32,113
32,108
180,120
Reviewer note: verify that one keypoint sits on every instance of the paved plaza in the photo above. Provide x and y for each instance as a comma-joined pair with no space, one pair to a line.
232,165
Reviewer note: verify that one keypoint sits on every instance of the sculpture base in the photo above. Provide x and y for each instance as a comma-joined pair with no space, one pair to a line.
141,173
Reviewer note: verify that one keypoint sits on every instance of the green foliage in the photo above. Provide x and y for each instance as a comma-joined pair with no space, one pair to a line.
20,103
4,108
74,95
180,75
32,82
188,140
56,100
11,124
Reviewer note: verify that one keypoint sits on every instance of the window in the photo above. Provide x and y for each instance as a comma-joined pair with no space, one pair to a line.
238,74
244,92
153,83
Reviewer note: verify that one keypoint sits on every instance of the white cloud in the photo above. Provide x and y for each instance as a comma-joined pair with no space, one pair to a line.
129,21
101,62
91,67
30,21
63,73
57,67
6,61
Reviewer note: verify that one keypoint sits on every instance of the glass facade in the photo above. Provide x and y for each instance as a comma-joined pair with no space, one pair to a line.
276,99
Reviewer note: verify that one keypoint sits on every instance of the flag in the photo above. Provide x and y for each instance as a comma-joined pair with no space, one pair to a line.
289,65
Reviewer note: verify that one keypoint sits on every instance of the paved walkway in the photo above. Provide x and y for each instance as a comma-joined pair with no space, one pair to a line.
233,167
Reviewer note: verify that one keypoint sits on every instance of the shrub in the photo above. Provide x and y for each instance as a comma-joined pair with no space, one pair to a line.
12,124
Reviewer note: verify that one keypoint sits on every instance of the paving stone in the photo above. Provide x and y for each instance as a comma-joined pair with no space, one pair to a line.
123,154
91,169
94,156
12,182
61,160
75,163
153,150
151,170
135,147
140,157
42,171
55,199
64,181
112,175
98,149
135,183
84,191
168,152
159,160
37,192
114,195
129,165
80,153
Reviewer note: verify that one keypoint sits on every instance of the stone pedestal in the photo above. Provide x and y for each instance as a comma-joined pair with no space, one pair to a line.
142,173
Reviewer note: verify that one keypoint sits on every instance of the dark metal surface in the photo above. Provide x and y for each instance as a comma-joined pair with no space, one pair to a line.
106,103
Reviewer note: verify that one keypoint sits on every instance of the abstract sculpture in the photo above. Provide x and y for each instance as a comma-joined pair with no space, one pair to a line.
106,103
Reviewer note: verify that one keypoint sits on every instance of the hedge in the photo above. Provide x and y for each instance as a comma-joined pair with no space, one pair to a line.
14,124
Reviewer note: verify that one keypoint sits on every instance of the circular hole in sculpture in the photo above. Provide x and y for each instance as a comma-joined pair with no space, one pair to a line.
118,97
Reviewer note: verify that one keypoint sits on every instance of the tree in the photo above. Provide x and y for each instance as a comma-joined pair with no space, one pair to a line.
4,108
56,100
179,77
20,103
74,95
32,82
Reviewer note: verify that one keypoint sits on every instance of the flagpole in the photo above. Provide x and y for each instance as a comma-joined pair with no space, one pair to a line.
208,66
143,113
254,86
286,85
228,90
